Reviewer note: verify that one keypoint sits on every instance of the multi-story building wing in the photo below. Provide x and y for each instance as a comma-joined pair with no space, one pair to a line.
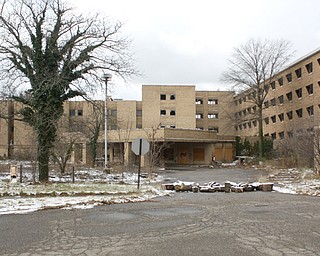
292,104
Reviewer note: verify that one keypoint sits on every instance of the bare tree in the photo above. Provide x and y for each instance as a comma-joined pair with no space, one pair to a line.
252,68
57,54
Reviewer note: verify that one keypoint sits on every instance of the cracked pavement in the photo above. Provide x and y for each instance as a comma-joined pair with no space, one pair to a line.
251,223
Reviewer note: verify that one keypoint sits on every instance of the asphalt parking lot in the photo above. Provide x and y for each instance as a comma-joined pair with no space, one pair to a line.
251,223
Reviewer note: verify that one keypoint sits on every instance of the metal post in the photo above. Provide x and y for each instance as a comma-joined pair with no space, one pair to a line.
139,168
106,77
20,173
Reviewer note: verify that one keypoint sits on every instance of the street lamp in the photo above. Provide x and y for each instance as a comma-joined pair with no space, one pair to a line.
107,77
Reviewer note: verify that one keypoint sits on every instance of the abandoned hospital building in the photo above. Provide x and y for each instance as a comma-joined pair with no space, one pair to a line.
192,126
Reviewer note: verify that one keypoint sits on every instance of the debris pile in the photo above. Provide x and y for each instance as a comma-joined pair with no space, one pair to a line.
213,186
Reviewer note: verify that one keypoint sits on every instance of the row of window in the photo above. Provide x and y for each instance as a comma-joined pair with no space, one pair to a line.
280,117
281,134
75,112
212,129
199,101
165,96
163,112
210,116
288,77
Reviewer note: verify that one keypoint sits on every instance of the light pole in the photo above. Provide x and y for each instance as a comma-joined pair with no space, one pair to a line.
107,77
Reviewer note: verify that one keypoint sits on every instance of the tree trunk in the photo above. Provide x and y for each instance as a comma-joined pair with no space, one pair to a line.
43,160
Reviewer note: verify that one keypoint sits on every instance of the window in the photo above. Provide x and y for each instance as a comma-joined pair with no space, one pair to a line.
281,135
310,110
139,112
298,73
273,85
244,98
309,67
244,112
299,112
266,104
139,126
273,102
172,97
289,115
280,81
249,110
249,124
299,93
172,112
212,115
162,126
266,120
280,98
172,126
199,116
309,89
273,119
254,123
281,117
273,136
163,97
163,112
212,101
289,96
199,128
254,109
80,112
72,112
289,77
245,126
213,129
290,134
113,112
199,101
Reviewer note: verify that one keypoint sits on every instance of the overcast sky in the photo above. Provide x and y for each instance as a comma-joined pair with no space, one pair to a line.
189,42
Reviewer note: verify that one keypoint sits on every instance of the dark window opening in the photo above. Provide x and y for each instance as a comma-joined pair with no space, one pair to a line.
299,112
280,98
309,89
163,112
273,119
280,81
266,120
172,113
139,112
289,115
309,67
281,135
266,104
172,97
298,73
72,112
289,77
299,93
273,85
163,97
281,117
273,136
273,102
310,110
289,96
80,112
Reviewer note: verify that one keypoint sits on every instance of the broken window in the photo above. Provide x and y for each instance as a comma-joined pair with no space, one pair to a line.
299,93
281,135
289,115
289,77
172,126
80,112
281,117
289,96
298,73
163,97
172,97
309,67
310,110
299,112
309,89
280,98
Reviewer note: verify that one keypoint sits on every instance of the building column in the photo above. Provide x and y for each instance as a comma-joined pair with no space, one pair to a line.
127,152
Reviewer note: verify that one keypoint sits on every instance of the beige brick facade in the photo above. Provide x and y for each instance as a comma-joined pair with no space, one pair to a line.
196,124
